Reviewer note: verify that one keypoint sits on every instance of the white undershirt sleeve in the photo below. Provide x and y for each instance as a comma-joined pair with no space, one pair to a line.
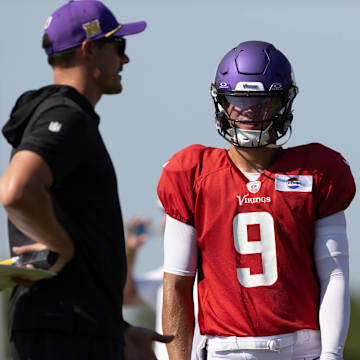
332,263
180,248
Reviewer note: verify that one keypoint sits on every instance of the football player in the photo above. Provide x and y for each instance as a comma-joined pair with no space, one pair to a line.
263,225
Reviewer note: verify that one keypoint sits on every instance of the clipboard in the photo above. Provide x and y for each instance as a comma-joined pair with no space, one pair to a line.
7,272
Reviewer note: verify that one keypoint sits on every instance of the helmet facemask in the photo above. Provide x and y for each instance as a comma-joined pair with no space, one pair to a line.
253,119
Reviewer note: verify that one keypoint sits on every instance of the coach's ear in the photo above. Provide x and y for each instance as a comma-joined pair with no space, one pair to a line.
87,49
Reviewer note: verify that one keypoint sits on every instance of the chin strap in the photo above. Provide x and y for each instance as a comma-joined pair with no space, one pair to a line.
251,138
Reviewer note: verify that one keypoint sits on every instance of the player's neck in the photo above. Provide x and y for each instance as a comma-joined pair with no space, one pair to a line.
252,160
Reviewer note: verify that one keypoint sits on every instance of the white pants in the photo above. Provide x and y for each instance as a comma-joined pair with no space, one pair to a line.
300,345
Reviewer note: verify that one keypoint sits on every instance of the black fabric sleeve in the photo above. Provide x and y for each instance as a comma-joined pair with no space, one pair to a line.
126,324
59,137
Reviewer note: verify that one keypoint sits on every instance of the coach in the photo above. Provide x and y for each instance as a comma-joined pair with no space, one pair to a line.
60,192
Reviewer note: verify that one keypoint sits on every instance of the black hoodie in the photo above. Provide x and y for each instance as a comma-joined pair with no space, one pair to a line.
86,296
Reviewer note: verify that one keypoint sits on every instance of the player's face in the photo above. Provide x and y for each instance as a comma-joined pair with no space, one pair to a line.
253,113
109,63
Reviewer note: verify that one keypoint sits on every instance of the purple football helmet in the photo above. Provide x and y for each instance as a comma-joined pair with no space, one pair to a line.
253,93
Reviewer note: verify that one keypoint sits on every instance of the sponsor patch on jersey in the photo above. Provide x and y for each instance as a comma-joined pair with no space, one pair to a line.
253,186
297,183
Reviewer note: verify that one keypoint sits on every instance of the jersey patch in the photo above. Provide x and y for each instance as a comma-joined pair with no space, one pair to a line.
293,183
253,186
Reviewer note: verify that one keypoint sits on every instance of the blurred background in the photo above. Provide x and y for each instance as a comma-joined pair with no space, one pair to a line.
166,105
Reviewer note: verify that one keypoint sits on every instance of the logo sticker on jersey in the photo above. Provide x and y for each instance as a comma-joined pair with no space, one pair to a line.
55,126
253,186
297,183
253,200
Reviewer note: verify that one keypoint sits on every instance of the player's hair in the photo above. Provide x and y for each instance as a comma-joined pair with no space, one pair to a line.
66,58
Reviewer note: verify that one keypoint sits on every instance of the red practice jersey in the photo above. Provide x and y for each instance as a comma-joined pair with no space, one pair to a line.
256,269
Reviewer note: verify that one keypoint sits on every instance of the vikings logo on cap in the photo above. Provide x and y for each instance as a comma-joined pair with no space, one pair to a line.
92,28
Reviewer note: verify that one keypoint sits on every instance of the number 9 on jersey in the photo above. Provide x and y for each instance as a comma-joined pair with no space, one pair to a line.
245,225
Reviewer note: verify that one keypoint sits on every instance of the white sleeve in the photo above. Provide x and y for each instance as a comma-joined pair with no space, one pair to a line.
332,263
180,248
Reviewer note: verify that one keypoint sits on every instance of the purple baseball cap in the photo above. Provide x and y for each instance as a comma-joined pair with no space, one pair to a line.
79,20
